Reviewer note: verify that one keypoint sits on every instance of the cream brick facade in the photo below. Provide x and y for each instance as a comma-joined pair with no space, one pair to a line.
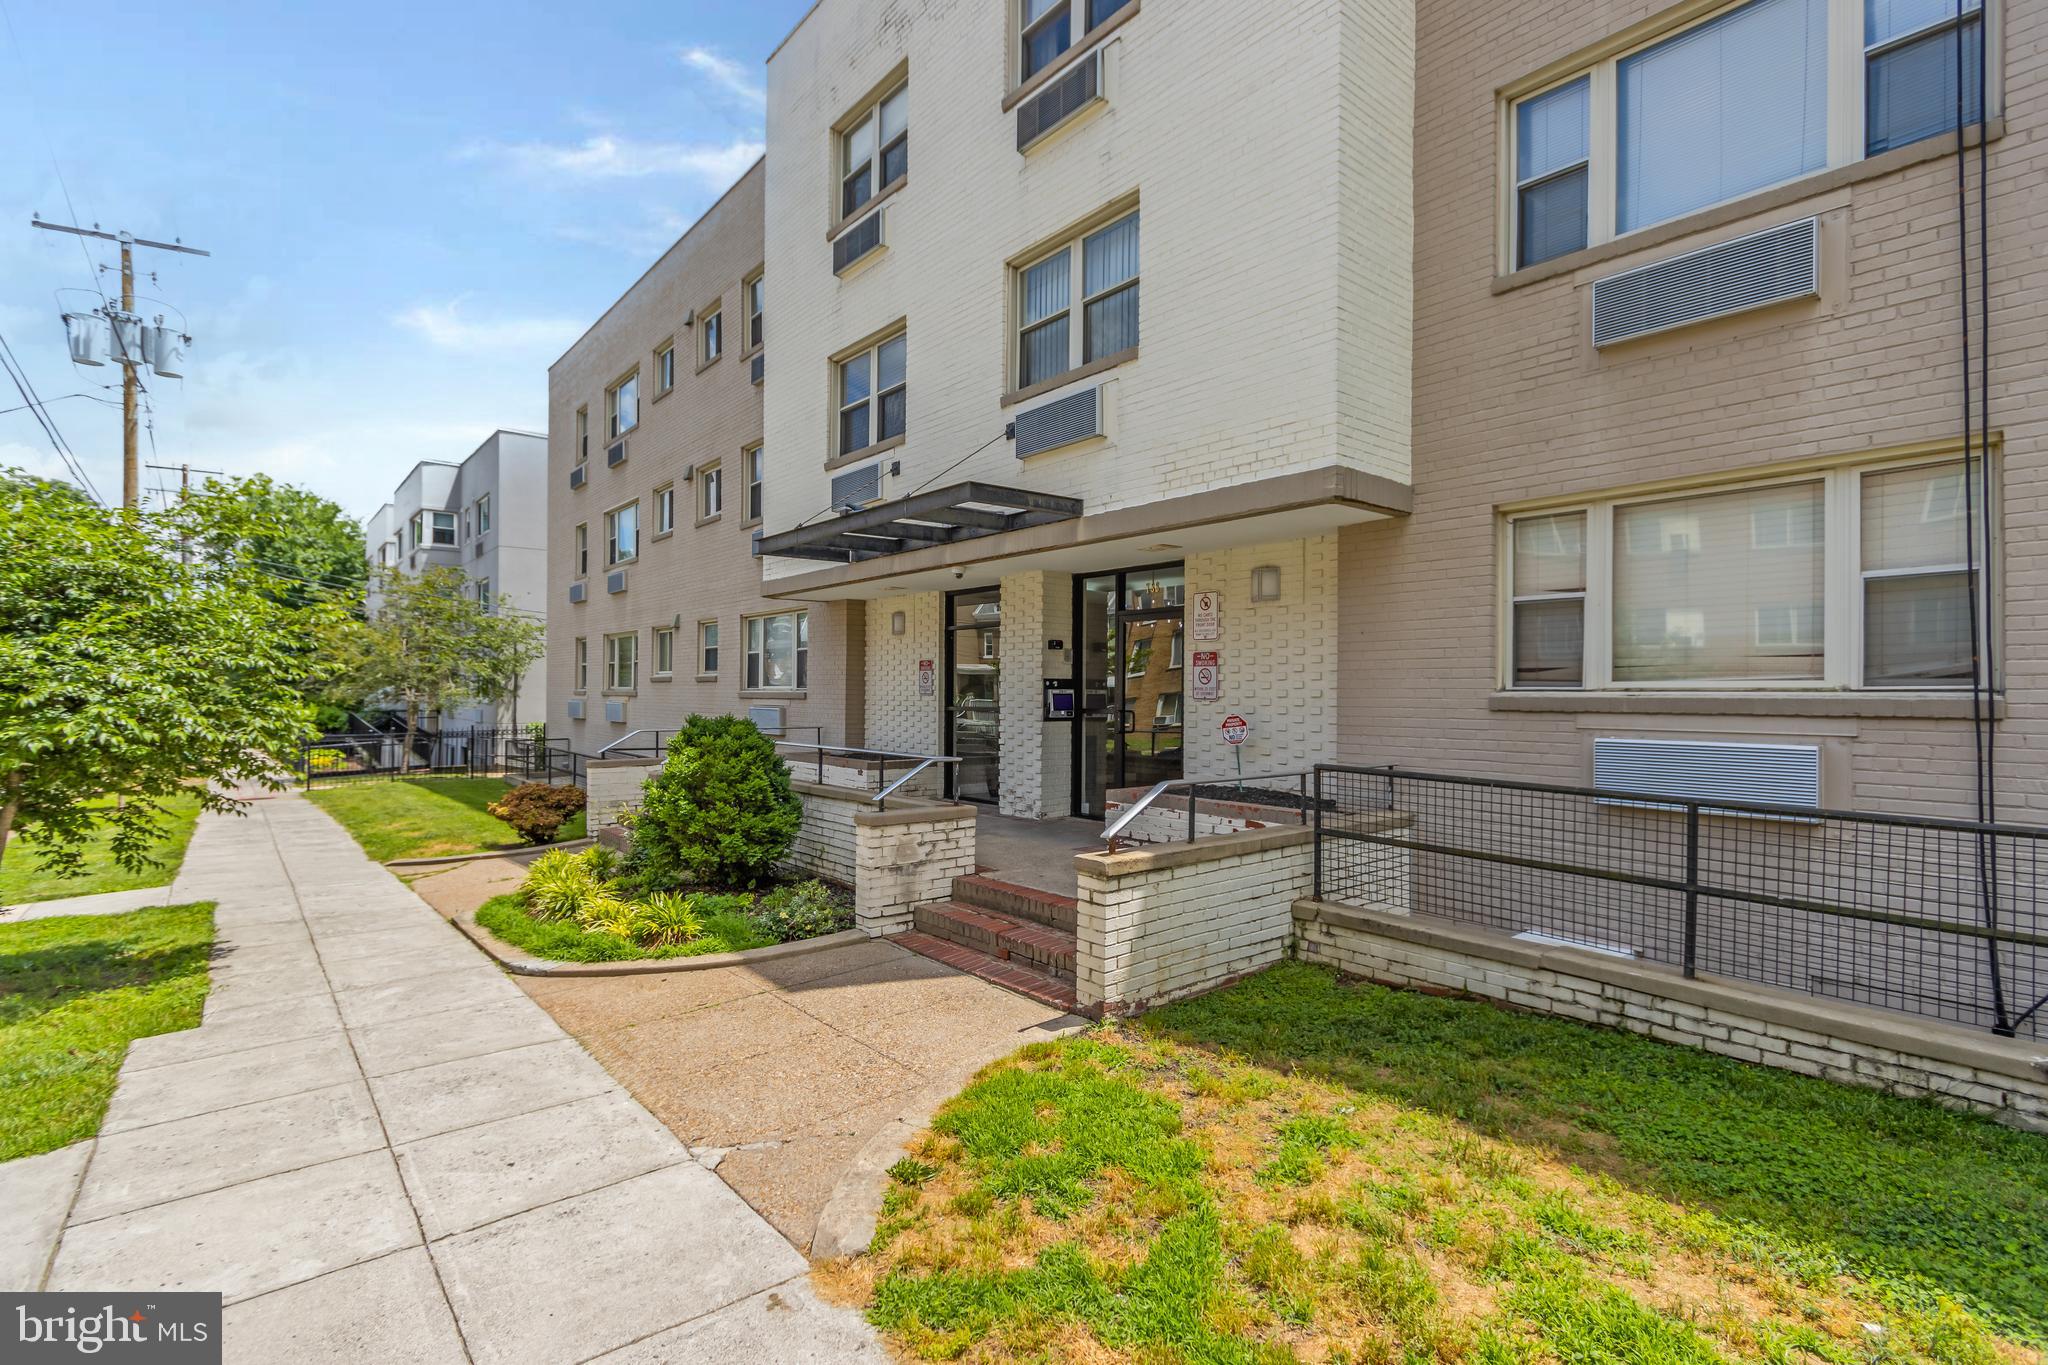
704,569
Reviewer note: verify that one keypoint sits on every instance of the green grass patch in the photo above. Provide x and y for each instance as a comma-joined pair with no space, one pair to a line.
567,941
74,989
425,817
1301,1169
22,881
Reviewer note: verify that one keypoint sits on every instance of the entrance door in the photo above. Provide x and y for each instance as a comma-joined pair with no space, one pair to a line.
974,634
1132,661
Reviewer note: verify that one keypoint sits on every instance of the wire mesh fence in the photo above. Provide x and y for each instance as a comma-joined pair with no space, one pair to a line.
481,751
1942,919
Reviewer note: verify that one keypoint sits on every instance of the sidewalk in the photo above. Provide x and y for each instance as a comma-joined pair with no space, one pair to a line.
379,1149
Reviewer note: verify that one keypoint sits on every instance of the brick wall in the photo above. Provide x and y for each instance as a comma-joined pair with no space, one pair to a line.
1155,924
906,857
898,718
1840,1042
1037,756
1278,659
612,787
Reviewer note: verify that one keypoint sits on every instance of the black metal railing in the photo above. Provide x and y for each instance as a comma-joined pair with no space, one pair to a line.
1938,918
480,751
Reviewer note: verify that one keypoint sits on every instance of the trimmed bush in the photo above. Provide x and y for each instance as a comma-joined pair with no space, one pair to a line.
667,918
805,910
538,810
720,812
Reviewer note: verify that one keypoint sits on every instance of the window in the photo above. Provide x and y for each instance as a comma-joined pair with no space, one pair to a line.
1916,580
754,307
711,333
622,534
483,514
582,435
384,553
622,407
621,662
1047,28
419,529
664,509
1849,578
880,132
1048,344
869,383
664,651
483,596
750,459
443,527
582,664
707,647
778,650
710,492
665,367
1166,710
582,549
1754,96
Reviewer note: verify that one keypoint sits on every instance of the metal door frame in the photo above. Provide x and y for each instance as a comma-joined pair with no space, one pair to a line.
1078,743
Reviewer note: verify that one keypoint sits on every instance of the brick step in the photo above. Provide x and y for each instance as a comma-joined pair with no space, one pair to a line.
1018,902
1038,945
1012,976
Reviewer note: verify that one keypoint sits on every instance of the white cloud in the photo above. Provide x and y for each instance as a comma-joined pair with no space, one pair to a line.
727,74
607,156
444,325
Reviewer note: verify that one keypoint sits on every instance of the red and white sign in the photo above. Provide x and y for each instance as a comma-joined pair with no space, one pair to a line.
1207,684
927,677
1236,729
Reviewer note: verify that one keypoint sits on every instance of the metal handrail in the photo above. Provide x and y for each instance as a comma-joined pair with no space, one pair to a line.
883,795
923,761
623,738
1113,832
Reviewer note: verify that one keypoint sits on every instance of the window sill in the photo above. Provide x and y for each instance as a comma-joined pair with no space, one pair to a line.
1073,376
661,677
751,521
776,693
707,677
709,363
1041,78
864,453
1763,201
714,517
663,394
663,535
1873,704
621,692
888,191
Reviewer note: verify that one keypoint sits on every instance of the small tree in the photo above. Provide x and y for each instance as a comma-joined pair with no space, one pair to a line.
506,645
537,810
127,672
720,811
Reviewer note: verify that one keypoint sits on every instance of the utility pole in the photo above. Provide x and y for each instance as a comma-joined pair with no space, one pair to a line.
131,473
185,473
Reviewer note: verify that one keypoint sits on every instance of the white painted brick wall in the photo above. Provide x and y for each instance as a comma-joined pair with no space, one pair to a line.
900,866
824,846
897,717
612,788
1037,757
1278,659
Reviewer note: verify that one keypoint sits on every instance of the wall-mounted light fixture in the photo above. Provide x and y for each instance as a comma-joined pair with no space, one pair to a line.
1266,583
897,623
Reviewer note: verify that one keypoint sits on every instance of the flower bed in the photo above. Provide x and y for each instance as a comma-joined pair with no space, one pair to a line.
589,907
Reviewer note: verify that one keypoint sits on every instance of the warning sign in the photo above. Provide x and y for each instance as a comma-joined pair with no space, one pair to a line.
927,678
1236,729
1208,615
1207,684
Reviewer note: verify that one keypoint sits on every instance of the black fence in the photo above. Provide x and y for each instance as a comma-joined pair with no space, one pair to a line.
1938,918
374,755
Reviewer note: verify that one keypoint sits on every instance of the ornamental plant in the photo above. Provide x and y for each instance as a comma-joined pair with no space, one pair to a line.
538,810
804,910
720,811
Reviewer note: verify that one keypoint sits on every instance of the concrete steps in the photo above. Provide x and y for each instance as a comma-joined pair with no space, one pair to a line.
1014,936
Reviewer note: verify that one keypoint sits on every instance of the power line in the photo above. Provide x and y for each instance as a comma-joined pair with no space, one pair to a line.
27,389
14,43
94,397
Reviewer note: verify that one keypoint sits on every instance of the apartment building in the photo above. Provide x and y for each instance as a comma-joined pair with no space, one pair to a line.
656,476
1690,503
1092,340
484,516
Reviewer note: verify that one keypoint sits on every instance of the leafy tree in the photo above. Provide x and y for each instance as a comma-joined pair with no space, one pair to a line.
720,811
507,644
308,549
127,673
428,646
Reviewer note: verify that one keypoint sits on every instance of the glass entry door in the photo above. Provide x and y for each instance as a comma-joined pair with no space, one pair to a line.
1132,638
974,672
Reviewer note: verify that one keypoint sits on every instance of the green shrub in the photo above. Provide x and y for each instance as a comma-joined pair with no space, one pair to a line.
537,810
604,912
325,760
720,811
805,910
667,918
557,885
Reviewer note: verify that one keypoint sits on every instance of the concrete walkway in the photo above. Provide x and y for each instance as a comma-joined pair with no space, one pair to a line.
379,1149
100,903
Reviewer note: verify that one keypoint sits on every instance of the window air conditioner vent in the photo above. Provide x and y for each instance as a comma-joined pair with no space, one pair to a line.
1061,422
615,712
756,371
578,591
857,241
1751,271
476,551
1778,774
615,581
1060,101
861,486
615,454
578,476
575,708
767,719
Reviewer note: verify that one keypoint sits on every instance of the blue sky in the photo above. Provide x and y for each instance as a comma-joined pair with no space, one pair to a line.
412,209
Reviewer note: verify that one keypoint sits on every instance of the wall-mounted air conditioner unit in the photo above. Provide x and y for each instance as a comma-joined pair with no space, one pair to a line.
615,454
615,711
1062,422
615,581
857,487
1065,97
578,591
1774,774
1756,270
860,241
575,708
578,476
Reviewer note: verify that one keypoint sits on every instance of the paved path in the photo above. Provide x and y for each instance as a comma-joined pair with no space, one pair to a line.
100,903
379,1149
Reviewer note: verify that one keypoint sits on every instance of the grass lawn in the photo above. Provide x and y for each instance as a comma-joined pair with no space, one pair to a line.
22,881
567,941
427,817
1301,1169
74,989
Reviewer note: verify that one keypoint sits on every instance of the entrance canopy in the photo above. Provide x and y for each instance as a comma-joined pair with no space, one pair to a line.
939,516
